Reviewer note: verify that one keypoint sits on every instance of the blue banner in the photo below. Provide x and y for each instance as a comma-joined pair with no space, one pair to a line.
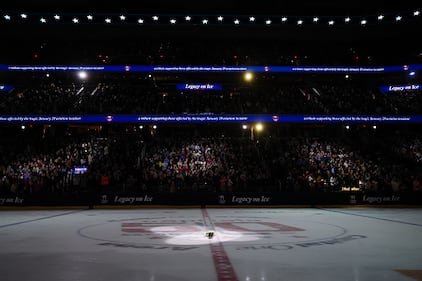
207,118
199,87
193,68
401,88
5,88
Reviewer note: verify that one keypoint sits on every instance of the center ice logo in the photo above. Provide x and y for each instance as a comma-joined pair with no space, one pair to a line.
176,227
182,233
239,230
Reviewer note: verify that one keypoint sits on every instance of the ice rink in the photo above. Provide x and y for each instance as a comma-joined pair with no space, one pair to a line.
248,244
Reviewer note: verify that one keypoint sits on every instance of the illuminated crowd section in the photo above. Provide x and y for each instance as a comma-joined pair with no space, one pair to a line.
39,159
116,133
35,94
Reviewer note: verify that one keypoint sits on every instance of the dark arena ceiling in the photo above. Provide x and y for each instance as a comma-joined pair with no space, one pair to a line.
386,35
298,7
295,11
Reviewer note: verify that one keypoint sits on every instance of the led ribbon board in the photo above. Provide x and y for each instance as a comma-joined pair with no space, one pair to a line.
207,118
206,69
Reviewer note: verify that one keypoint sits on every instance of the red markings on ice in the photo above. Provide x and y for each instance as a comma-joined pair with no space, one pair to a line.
223,266
145,227
162,227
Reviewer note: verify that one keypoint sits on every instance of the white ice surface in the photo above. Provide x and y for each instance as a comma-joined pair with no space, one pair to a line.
170,244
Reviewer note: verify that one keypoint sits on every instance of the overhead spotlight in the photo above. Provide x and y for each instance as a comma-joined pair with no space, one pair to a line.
416,13
141,21
75,20
204,21
347,127
374,127
89,17
248,76
268,22
236,21
24,16
173,21
219,18
259,127
155,18
7,17
399,18
347,20
251,19
299,22
82,75
331,22
244,127
315,19
56,17
107,20
43,20
283,19
122,17
412,73
380,17
363,22
188,18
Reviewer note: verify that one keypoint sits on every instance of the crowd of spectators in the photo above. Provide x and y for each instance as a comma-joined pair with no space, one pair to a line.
206,163
127,94
330,165
224,51
411,149
128,163
45,167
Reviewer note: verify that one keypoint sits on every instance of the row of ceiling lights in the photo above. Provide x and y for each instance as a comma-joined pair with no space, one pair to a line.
219,19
